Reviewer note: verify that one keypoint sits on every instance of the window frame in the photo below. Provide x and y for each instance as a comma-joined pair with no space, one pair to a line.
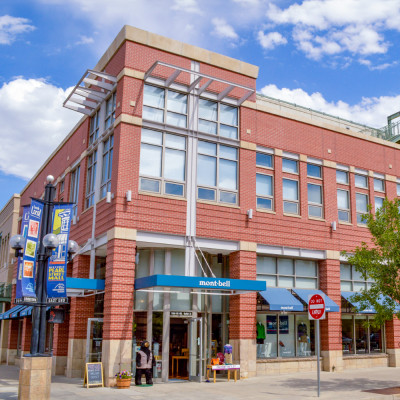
293,160
109,117
105,184
313,176
347,210
261,196
268,155
94,127
378,197
359,213
91,170
367,283
74,188
383,185
297,202
366,181
316,205
347,177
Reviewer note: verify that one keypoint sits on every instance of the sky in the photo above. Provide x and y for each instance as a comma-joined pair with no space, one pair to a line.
340,57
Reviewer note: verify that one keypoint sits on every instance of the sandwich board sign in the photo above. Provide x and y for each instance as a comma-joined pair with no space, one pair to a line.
93,374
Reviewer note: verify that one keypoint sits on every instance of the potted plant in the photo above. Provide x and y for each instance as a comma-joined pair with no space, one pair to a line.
124,379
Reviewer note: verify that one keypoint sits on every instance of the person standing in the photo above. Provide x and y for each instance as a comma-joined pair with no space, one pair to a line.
144,364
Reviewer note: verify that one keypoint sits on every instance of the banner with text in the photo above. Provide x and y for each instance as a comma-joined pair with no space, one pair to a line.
24,231
31,246
57,266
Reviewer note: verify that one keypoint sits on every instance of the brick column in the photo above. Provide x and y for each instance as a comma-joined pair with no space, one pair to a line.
118,304
12,341
331,327
60,346
242,311
25,337
81,309
393,341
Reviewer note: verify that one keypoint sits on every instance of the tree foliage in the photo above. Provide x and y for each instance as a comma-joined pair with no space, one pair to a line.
380,262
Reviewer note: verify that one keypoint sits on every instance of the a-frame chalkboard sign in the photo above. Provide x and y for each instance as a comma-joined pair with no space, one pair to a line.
93,374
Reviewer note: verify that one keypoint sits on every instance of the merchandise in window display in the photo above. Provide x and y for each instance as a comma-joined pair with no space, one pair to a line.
260,333
228,354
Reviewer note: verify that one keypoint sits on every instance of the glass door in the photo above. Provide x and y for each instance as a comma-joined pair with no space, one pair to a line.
196,349
94,339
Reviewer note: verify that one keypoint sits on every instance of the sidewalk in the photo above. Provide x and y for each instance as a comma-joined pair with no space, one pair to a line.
350,385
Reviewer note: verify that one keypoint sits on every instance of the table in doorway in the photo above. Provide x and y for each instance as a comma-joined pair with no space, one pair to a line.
177,358
229,368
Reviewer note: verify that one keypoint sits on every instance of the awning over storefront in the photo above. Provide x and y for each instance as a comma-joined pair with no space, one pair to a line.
280,299
26,312
7,314
330,305
370,309
197,284
77,287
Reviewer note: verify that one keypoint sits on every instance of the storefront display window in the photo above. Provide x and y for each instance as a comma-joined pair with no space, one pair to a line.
347,334
361,332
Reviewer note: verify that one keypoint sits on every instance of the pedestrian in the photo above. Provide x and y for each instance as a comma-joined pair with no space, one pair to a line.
144,364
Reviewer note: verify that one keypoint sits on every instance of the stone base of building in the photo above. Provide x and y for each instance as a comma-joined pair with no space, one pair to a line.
367,361
11,355
245,354
76,358
59,365
35,378
283,366
394,357
332,361
116,356
3,355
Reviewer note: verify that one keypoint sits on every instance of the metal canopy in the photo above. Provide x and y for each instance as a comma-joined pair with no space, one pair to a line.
90,91
197,284
199,82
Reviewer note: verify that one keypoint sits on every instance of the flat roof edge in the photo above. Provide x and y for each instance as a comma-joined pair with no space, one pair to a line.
130,33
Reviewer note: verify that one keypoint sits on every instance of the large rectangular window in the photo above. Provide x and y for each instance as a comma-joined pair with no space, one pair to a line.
94,127
352,280
165,106
264,160
379,185
290,196
91,179
289,165
74,189
110,111
361,181
378,203
315,208
264,190
107,166
314,171
217,172
343,204
361,207
218,119
342,177
162,163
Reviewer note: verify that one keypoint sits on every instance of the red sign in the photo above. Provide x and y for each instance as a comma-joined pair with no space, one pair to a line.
316,307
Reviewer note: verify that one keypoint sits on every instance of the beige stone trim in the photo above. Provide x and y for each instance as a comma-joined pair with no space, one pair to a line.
67,170
303,157
352,169
121,233
247,246
329,164
390,178
214,203
292,215
131,73
371,173
265,211
278,152
164,196
248,145
128,119
332,255
83,155
136,35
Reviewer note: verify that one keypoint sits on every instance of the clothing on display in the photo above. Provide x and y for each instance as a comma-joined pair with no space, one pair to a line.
260,331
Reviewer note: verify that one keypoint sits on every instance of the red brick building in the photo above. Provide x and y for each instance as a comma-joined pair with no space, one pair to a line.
179,168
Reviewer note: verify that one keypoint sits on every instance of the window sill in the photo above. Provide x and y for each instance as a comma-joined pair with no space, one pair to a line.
361,356
345,223
86,210
164,196
317,219
292,215
286,359
262,210
362,226
266,168
214,203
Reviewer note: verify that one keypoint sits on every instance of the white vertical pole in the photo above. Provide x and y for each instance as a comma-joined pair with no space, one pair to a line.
318,356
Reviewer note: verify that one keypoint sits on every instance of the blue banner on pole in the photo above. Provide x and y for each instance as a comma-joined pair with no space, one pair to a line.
24,231
30,251
57,265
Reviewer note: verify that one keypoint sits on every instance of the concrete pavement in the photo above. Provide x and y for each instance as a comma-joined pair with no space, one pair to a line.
351,385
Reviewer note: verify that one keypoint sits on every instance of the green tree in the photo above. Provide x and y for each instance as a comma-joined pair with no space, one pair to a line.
380,262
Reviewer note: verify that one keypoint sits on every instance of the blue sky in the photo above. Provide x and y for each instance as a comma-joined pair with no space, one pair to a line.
337,56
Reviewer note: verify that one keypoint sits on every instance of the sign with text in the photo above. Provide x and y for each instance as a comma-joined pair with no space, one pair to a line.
28,270
316,306
24,231
57,265
93,374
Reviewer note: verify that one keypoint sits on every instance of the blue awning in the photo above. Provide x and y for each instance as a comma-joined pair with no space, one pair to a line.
330,305
198,284
87,284
6,315
370,309
280,299
16,313
27,311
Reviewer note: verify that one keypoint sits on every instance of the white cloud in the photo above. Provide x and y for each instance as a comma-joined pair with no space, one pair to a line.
33,123
270,40
370,111
84,40
11,27
223,30
379,67
189,6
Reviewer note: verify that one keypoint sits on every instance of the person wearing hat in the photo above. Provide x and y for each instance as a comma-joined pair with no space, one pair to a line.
144,364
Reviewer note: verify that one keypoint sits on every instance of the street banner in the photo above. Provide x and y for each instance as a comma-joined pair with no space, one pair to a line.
30,251
57,265
24,231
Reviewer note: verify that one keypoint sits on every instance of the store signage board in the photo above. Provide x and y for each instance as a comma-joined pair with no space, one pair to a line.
181,314
93,374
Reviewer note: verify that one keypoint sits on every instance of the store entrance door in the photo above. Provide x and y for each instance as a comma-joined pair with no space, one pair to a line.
178,349
94,339
196,362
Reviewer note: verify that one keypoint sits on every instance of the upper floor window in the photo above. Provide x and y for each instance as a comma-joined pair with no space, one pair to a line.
378,203
264,160
218,119
361,207
107,166
352,280
217,170
342,177
90,179
165,106
290,196
314,200
61,188
94,127
314,171
110,110
361,181
291,166
162,162
398,189
264,190
343,203
379,185
74,189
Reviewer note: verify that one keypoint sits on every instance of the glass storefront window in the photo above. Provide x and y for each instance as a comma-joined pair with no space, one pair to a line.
361,335
375,339
305,336
347,334
286,336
